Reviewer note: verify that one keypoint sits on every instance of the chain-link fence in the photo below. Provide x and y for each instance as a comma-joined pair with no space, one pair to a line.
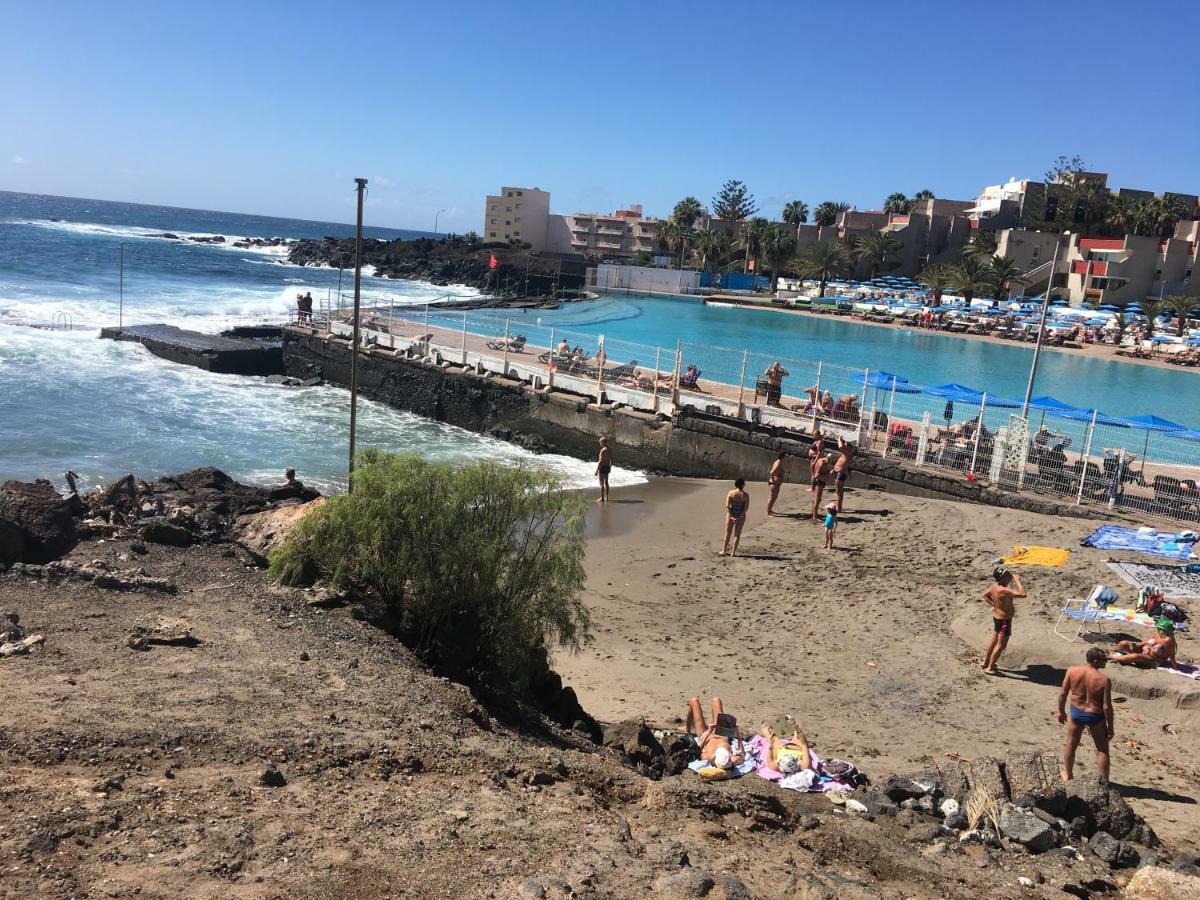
1144,466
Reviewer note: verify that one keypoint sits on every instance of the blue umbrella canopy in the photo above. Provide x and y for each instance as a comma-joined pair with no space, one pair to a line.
1085,415
1189,435
962,394
1050,404
1154,423
884,380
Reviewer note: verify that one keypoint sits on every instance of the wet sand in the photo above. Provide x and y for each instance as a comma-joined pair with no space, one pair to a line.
875,646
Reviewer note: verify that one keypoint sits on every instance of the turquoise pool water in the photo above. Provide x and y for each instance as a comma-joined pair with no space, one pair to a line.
1116,388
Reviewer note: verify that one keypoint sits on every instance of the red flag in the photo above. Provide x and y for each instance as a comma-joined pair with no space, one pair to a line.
493,263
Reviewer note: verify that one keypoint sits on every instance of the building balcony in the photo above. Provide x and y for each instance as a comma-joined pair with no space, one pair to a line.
608,229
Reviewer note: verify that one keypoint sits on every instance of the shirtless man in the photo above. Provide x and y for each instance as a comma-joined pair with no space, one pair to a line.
787,756
603,467
841,468
1157,650
816,474
717,740
1091,708
1000,595
775,482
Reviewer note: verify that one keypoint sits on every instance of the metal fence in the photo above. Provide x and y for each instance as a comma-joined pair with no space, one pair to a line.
1078,457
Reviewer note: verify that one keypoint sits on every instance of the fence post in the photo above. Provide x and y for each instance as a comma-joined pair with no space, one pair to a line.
866,378
601,358
923,438
742,382
504,361
1083,462
464,340
1114,489
887,430
816,399
657,362
428,341
675,374
392,322
550,361
978,433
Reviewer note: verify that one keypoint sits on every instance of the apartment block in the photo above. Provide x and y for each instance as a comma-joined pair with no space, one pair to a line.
620,234
516,212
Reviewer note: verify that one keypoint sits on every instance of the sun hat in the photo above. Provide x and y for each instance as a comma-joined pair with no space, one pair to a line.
1165,625
831,507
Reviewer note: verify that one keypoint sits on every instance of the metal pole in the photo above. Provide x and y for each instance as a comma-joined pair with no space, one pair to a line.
428,340
340,270
361,189
654,388
504,360
978,432
601,358
550,361
742,382
435,221
866,378
891,406
1037,347
675,377
1083,463
121,307
464,341
392,322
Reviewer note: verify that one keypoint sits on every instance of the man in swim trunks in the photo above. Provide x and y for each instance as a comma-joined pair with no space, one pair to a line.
775,481
816,474
737,502
1091,708
841,468
1157,650
1006,587
603,467
720,743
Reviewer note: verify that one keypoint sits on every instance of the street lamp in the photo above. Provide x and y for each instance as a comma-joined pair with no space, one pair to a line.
360,187
1037,347
435,221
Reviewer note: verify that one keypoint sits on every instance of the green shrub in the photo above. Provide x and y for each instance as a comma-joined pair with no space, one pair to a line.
483,563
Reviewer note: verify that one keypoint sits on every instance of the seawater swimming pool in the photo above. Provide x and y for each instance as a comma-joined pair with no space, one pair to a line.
1116,388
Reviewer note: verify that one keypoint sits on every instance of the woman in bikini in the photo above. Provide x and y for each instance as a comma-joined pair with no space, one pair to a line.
775,482
786,756
816,473
737,502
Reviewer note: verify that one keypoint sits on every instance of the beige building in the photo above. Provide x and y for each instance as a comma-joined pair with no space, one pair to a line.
516,212
619,235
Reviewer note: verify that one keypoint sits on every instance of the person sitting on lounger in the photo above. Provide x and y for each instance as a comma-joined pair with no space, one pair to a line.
721,742
564,348
1157,650
787,757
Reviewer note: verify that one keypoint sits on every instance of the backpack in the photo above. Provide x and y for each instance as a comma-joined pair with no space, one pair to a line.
1170,611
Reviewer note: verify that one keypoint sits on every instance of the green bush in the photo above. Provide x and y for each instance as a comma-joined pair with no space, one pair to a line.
482,563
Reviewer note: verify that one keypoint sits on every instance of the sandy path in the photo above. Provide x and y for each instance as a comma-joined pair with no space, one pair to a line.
876,646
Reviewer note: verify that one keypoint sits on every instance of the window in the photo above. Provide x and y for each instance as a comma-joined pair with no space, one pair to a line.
508,221
493,222
516,234
508,209
518,206
520,193
516,218
509,194
491,234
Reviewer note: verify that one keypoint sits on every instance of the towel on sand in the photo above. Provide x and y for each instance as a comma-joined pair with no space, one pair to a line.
1133,617
1185,669
805,782
1173,582
745,768
1038,556
1156,543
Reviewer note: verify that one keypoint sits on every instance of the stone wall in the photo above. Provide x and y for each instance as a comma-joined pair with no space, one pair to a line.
689,444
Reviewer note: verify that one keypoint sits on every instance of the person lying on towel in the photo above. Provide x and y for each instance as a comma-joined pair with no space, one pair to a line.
1157,650
720,743
784,756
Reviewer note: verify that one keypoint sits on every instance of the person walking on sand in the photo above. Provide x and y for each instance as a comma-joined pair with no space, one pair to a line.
1091,708
1000,595
841,468
603,467
775,481
830,524
737,502
816,475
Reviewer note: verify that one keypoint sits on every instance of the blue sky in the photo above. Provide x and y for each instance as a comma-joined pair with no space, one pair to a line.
274,108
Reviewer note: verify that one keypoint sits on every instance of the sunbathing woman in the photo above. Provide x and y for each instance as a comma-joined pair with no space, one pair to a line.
721,742
787,756
1157,650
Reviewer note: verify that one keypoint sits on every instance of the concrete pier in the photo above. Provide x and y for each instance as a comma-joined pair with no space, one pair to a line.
211,352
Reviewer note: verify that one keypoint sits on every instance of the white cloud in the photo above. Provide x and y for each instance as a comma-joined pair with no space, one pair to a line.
382,181
18,160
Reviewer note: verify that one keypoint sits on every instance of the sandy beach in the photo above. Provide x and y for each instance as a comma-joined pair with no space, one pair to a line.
876,646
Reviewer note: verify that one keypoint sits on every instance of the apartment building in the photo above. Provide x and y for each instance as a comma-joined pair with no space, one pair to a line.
516,212
620,234
1019,201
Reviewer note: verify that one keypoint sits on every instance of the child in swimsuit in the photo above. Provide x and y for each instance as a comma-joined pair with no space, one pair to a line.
830,524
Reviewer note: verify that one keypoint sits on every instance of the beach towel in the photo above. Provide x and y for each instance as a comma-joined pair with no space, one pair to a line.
1187,670
1037,556
1133,617
1173,582
1156,543
750,765
805,782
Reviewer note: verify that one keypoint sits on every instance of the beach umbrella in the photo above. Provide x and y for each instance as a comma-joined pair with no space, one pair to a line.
885,380
962,394
1188,435
1085,415
1152,423
1046,404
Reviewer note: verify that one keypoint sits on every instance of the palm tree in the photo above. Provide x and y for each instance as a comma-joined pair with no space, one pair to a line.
827,213
1121,215
924,194
687,211
671,235
712,245
983,244
878,249
778,247
1003,270
822,261
897,203
751,239
795,213
937,278
1182,306
969,276
1151,309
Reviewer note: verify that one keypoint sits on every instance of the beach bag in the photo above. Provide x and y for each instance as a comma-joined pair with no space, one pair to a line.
1170,611
842,771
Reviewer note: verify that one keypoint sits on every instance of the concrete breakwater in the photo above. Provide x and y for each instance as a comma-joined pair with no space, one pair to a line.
688,443
211,352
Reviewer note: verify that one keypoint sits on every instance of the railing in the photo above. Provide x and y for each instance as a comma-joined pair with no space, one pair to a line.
1079,459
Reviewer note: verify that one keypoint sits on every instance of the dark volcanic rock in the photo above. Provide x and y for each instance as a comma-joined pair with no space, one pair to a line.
164,532
1100,806
43,517
1118,854
12,543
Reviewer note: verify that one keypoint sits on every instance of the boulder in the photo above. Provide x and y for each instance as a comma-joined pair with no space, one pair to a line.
986,776
163,532
1156,883
43,518
687,882
1101,808
636,743
12,544
259,533
1118,854
1022,826
878,804
953,775
899,789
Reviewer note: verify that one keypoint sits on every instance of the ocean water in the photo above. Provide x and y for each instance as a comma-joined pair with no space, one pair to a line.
71,400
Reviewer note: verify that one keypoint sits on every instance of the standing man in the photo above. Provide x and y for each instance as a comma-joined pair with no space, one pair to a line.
603,467
841,468
1091,708
1001,595
816,474
775,482
774,375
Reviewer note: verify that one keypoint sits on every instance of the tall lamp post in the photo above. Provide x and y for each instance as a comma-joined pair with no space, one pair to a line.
435,221
361,188
1037,347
